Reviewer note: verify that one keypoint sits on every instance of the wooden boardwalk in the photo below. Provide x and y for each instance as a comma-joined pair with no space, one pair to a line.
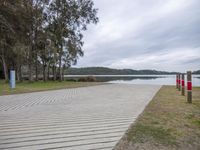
73,119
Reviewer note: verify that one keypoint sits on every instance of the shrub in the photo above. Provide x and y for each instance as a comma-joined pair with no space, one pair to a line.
87,79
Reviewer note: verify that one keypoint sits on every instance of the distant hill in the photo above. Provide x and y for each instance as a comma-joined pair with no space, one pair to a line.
196,72
109,71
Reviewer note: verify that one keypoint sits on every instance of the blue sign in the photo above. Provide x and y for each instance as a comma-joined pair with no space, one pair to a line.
12,79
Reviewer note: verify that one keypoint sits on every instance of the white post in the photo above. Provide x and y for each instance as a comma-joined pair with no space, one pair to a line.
12,79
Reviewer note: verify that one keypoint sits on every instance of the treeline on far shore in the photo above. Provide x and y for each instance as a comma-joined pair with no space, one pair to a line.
110,71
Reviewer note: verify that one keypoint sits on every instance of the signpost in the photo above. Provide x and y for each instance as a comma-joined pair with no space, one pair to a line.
12,79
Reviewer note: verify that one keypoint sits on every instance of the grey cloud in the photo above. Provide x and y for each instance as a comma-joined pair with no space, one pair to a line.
160,35
192,60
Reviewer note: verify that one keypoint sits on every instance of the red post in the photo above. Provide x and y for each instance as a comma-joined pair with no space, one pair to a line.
189,87
183,84
179,82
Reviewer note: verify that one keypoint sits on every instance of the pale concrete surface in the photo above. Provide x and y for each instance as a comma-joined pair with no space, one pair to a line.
73,119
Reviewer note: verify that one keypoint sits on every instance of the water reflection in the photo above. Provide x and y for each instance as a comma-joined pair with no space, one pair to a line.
116,78
138,79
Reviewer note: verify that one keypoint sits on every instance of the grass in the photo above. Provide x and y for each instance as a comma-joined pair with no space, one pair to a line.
142,133
168,123
26,87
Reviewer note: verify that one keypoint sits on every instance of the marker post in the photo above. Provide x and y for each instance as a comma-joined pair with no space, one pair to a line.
12,79
179,82
189,87
183,84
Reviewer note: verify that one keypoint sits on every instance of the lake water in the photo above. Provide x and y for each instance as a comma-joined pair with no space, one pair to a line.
138,79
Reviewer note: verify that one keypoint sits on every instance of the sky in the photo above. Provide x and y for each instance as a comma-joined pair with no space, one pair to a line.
144,34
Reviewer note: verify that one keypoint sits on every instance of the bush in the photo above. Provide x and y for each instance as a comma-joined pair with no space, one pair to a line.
87,79
71,80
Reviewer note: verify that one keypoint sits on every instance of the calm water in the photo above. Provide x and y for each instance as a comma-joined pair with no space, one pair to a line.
139,79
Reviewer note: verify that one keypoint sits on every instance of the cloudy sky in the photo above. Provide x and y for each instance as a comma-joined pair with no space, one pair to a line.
144,34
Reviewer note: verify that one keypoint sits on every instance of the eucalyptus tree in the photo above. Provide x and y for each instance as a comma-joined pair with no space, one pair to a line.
35,11
43,32
39,25
5,29
68,18
8,27
19,54
45,52
52,49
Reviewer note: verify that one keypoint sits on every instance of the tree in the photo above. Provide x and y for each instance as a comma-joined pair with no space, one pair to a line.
68,18
7,31
40,18
43,33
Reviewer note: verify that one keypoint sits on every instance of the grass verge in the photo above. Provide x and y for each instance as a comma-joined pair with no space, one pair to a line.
167,123
26,87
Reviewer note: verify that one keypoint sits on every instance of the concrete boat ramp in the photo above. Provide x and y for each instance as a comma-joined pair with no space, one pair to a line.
72,119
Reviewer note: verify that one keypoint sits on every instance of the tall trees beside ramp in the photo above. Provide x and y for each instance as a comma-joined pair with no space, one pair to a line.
47,33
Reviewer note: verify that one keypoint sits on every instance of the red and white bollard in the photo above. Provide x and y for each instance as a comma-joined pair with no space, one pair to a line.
183,84
179,82
189,87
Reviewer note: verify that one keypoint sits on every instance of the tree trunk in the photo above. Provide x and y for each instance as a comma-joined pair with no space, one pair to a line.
31,50
63,72
30,75
44,72
54,72
30,65
17,68
48,72
17,73
36,70
5,69
20,73
36,55
60,65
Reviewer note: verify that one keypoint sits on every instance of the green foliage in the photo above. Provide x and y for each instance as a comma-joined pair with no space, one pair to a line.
43,33
196,122
143,133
